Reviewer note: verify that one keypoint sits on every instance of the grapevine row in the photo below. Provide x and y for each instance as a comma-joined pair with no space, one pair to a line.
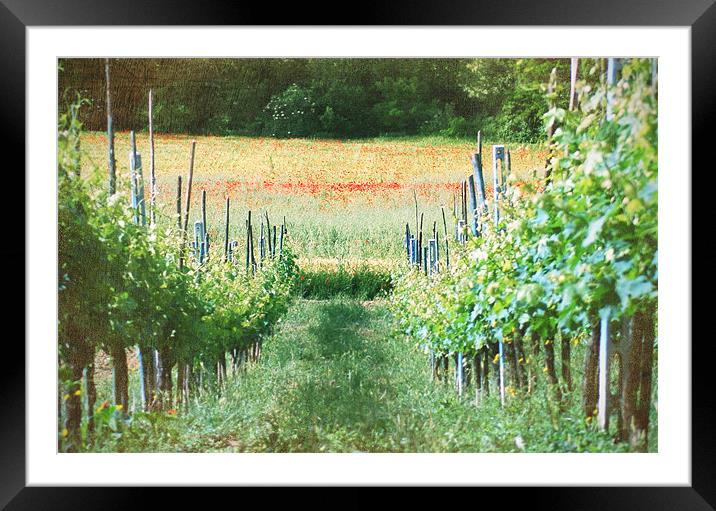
125,283
577,263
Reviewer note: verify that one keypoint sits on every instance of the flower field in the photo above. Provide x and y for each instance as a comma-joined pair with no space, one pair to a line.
341,199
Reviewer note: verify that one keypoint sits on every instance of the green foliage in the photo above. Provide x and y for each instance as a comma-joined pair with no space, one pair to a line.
345,98
363,282
510,95
120,284
519,119
585,247
291,113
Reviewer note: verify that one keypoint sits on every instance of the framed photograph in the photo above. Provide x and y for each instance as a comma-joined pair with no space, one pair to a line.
423,249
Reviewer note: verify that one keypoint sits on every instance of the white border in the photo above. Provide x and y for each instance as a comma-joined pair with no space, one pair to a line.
671,465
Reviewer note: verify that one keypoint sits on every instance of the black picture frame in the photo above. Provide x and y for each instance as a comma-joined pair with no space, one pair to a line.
16,15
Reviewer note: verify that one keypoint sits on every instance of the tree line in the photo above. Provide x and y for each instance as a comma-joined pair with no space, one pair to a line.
327,98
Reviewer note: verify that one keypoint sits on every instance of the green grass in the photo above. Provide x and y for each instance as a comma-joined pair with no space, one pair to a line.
361,282
335,377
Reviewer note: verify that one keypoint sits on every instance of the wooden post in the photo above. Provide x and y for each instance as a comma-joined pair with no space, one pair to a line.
226,232
485,371
645,336
120,376
152,175
437,247
431,363
188,185
251,244
280,243
110,135
590,390
415,198
479,142
431,262
179,202
181,251
188,196
420,241
447,246
205,239
407,240
90,395
262,245
268,234
553,124
248,243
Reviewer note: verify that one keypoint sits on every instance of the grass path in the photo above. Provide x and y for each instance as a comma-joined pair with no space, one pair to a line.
333,378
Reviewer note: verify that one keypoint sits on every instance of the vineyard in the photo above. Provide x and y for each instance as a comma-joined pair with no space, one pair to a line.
375,295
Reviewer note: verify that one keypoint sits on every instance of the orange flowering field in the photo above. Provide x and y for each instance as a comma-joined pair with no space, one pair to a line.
341,199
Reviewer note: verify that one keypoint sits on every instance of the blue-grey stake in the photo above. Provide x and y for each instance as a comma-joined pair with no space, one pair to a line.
498,153
199,241
613,67
473,204
603,406
137,189
502,372
480,180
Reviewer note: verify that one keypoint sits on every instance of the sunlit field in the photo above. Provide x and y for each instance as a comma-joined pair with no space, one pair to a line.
341,199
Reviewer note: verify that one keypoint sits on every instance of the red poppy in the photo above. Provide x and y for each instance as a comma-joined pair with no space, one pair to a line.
172,411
